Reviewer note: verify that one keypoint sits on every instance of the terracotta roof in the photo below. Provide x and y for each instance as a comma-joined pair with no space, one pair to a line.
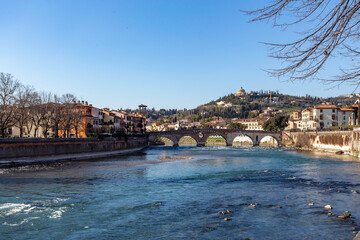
347,109
326,106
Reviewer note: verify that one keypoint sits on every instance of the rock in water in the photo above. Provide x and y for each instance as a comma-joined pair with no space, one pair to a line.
208,228
227,219
339,152
254,204
354,191
328,207
345,215
311,204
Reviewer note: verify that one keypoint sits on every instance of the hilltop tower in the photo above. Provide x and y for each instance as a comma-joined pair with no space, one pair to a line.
142,110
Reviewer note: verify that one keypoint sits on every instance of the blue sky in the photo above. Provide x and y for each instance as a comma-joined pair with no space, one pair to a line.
163,53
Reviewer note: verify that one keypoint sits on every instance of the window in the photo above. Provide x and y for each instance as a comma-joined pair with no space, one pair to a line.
333,111
333,117
321,110
321,117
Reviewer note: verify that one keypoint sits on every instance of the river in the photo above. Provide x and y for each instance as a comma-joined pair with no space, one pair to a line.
180,193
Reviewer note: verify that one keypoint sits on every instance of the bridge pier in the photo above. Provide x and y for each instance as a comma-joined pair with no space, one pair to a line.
201,144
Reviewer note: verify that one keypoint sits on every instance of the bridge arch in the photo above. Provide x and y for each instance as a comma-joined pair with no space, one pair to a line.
215,140
187,140
243,140
166,139
269,140
232,136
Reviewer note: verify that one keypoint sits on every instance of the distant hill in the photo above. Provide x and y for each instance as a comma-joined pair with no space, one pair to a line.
249,105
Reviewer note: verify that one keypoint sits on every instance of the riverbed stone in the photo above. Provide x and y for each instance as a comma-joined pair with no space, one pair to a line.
209,228
328,207
345,215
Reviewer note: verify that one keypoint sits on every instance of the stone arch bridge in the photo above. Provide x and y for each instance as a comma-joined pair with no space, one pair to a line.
201,135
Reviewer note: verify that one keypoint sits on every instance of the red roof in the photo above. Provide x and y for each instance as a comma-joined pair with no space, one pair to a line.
326,107
347,109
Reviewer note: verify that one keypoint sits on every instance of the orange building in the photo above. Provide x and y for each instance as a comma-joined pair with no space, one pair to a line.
74,119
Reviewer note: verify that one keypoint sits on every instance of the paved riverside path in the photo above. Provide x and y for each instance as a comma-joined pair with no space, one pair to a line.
13,162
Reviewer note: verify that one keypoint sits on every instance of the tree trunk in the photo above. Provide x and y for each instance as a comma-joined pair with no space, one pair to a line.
35,132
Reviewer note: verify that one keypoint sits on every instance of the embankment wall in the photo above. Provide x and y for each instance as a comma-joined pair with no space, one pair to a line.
346,141
17,148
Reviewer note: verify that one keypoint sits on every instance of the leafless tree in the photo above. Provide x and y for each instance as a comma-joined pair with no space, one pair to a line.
50,119
25,100
8,89
69,111
41,113
77,118
332,30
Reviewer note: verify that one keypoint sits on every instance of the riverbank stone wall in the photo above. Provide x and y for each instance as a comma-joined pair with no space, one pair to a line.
346,141
17,148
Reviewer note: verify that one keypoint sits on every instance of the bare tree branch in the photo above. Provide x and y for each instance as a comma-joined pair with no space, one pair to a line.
333,28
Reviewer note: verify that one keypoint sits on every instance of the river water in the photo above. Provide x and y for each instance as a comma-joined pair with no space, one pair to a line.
179,193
